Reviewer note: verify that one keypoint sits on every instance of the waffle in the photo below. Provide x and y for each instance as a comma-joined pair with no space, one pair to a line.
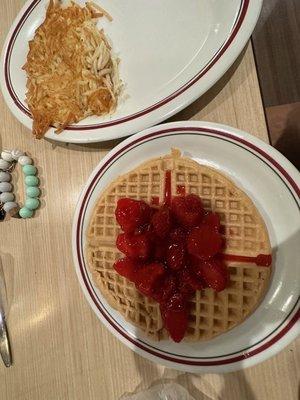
211,313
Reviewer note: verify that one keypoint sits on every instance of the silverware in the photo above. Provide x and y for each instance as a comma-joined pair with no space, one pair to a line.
4,339
4,342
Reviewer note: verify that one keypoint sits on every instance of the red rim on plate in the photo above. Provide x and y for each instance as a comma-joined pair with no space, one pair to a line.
278,333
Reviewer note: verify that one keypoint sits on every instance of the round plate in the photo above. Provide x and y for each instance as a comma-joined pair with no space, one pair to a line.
171,53
271,182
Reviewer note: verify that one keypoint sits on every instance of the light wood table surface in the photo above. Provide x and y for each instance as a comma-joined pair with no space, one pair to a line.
60,348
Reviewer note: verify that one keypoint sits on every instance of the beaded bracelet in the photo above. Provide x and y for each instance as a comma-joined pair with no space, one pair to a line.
8,205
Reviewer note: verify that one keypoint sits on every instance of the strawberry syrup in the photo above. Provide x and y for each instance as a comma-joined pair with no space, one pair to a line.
262,260
168,189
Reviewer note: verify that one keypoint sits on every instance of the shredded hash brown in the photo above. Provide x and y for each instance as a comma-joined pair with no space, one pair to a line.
71,73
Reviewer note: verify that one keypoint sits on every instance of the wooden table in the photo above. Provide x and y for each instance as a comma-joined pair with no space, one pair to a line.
60,349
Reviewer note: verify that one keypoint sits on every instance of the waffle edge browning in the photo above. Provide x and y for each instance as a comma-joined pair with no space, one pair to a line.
211,313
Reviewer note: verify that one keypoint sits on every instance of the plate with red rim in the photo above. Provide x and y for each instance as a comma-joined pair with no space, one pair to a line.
164,66
272,183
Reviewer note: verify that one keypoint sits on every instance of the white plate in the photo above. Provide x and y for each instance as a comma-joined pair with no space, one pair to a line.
272,183
171,52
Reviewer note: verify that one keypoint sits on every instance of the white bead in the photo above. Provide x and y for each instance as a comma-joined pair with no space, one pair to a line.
5,187
5,176
6,155
6,197
24,160
4,165
16,154
9,206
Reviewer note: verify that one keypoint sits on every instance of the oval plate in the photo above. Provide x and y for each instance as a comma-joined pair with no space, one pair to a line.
171,53
272,183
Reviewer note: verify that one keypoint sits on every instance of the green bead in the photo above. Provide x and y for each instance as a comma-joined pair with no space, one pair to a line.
25,212
33,191
29,169
31,180
31,204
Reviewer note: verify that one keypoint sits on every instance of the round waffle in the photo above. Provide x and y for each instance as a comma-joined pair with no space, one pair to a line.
211,313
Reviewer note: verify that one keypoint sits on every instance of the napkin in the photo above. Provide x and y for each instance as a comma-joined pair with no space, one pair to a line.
169,391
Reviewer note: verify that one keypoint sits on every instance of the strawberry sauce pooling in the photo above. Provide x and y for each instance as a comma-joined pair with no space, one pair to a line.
171,251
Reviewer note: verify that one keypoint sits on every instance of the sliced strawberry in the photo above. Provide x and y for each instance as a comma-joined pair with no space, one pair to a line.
214,274
222,229
175,256
188,210
161,222
176,302
212,219
132,214
177,235
175,316
176,323
204,242
166,288
136,247
189,282
148,277
159,250
126,268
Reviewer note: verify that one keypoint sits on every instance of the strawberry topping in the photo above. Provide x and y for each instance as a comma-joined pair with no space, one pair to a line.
189,282
188,210
126,268
213,273
136,247
175,316
171,252
131,214
177,235
212,219
161,222
204,242
148,276
175,256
